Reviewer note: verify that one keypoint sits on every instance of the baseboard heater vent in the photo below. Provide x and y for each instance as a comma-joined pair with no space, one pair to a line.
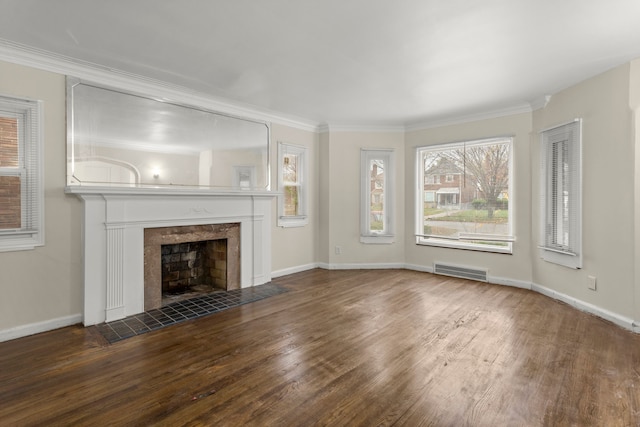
462,272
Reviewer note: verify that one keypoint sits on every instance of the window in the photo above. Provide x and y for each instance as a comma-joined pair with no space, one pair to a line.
471,211
244,177
377,171
560,185
292,182
21,196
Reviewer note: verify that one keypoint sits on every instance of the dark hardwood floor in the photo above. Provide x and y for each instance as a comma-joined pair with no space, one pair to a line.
368,348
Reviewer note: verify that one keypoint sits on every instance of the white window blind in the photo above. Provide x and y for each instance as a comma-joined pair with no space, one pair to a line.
25,172
561,194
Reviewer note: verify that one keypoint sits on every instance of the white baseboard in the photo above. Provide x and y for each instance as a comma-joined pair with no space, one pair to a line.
292,270
422,268
509,282
619,320
38,327
361,266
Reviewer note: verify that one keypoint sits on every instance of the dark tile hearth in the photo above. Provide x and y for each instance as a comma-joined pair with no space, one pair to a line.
180,311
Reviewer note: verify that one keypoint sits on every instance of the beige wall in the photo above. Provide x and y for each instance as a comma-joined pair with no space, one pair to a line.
324,197
341,188
608,200
515,267
44,284
295,247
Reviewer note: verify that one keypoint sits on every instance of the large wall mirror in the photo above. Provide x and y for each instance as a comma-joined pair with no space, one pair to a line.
125,139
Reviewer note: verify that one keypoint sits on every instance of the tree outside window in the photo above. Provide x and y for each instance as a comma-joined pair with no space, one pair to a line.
291,184
470,207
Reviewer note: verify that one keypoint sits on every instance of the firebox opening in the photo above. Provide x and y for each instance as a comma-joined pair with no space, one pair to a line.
193,268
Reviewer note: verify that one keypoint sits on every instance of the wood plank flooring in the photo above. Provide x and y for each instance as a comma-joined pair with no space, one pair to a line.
383,347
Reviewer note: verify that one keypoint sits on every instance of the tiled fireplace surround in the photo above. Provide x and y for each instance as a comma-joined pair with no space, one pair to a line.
117,219
155,238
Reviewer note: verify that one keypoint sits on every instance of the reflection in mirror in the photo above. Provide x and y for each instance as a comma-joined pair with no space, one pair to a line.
124,139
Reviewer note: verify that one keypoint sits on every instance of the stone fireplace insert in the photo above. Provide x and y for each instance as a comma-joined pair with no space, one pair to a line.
219,266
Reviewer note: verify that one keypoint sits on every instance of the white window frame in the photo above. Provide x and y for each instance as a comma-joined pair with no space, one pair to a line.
568,252
302,218
466,240
387,234
30,169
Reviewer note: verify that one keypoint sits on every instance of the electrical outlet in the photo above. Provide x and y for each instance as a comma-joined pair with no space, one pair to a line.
338,250
591,282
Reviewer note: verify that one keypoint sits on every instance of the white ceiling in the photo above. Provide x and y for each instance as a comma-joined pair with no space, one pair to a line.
342,62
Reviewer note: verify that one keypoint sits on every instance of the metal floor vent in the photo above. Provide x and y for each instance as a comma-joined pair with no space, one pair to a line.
462,272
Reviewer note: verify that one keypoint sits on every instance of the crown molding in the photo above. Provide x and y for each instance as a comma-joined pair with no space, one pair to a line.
47,61
540,102
328,127
473,117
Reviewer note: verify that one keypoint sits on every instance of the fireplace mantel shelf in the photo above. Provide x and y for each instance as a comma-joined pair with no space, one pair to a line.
82,190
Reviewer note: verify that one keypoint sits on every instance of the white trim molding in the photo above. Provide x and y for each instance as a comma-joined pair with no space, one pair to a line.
293,270
39,327
623,321
361,266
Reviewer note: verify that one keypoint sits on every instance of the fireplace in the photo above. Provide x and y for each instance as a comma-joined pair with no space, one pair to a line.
117,221
187,259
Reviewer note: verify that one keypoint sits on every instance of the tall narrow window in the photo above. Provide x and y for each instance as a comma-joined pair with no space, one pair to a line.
469,208
21,218
377,224
561,213
292,206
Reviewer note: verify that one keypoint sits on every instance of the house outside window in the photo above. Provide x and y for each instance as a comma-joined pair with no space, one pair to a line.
377,188
292,182
469,209
21,195
561,194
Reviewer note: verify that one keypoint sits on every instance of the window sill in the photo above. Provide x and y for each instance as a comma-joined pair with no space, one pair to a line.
508,249
22,241
294,221
564,259
385,239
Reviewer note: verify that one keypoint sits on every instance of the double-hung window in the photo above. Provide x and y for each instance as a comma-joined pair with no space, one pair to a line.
21,196
560,185
376,206
292,182
470,207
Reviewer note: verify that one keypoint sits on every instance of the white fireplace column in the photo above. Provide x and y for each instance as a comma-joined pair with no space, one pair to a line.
113,239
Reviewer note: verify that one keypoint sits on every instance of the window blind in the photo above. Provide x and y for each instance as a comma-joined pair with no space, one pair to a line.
561,182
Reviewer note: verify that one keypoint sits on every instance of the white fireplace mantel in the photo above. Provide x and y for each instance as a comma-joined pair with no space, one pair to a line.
113,238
